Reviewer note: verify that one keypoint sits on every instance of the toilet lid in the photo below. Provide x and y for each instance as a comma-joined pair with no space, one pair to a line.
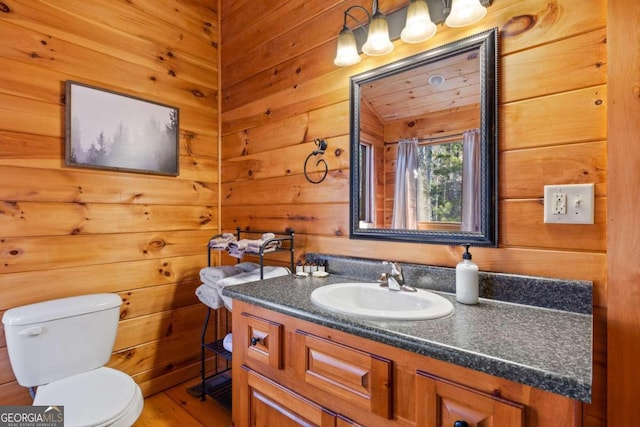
90,398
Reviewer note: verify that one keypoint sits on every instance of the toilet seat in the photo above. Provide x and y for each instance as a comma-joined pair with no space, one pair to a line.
101,397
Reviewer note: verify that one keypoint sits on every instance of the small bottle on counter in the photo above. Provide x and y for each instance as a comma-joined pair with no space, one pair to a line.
307,267
299,267
467,288
322,267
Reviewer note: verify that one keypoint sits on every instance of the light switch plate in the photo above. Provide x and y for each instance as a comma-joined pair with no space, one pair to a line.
569,204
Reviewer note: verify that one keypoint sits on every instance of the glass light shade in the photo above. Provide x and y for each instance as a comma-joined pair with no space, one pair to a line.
378,42
419,26
465,12
347,52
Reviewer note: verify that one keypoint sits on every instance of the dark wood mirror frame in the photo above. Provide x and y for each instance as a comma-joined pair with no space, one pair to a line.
486,43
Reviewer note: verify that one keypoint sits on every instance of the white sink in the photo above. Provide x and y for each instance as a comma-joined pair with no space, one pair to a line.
371,301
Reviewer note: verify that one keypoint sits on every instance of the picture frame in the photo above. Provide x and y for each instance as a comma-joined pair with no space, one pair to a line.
114,131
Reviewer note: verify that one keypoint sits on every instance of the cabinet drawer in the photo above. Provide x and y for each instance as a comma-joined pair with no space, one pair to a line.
360,378
263,340
445,403
270,404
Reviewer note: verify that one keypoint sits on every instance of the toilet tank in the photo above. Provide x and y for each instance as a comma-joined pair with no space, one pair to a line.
55,339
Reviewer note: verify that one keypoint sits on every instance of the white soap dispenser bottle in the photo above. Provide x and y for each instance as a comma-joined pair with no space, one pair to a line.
467,288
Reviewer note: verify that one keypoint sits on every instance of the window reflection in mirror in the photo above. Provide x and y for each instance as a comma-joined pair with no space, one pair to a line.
366,189
439,176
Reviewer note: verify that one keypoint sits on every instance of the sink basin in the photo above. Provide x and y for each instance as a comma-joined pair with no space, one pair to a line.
369,300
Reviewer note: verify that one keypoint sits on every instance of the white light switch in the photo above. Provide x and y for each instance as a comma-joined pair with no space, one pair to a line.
569,204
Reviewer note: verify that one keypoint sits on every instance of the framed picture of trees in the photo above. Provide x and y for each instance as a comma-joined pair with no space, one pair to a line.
114,131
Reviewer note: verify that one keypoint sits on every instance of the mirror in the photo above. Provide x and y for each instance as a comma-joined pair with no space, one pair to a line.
424,146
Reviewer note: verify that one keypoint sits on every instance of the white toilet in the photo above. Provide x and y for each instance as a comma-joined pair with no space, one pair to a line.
61,346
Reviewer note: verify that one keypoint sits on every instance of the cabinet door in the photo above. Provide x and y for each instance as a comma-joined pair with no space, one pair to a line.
270,404
263,340
444,403
358,377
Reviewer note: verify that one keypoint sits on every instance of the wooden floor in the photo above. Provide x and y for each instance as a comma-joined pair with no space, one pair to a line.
176,407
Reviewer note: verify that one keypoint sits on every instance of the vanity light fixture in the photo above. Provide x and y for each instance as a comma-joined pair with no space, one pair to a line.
414,24
419,26
377,30
378,42
465,12
347,53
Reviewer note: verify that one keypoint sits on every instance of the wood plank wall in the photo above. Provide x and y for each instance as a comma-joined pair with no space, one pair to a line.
280,90
66,231
623,198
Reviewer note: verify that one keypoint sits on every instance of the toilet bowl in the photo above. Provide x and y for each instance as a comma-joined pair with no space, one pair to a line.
61,347
101,397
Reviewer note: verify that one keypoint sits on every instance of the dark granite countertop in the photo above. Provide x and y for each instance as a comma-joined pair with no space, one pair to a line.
547,348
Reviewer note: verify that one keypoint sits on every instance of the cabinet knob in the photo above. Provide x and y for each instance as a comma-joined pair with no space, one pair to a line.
460,423
255,340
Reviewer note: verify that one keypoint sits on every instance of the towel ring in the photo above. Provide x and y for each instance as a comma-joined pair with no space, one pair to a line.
322,146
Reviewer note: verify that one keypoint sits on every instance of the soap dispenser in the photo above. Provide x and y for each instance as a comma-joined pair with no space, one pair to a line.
467,288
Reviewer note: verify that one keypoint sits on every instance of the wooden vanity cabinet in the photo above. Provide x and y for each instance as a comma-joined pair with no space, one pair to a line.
355,376
301,373
270,404
443,403
262,339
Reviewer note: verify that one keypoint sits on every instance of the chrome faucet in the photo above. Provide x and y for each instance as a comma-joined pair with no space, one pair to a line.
394,280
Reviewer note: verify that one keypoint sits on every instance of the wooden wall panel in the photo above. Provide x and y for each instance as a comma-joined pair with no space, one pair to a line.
623,241
553,83
372,133
66,231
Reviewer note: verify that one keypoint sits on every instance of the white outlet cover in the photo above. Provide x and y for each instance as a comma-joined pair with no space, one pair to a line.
580,201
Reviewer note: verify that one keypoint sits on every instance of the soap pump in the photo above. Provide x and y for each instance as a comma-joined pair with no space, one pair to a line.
467,288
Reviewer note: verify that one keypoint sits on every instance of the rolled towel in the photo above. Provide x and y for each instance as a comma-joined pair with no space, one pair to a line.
209,296
237,249
264,242
221,242
227,343
267,236
250,276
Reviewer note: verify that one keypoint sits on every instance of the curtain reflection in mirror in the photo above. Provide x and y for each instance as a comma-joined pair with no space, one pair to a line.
471,180
404,201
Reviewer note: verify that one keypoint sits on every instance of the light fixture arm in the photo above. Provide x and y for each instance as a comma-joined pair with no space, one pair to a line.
446,8
360,23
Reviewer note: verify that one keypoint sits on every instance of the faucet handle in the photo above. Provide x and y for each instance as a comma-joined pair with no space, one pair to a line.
395,267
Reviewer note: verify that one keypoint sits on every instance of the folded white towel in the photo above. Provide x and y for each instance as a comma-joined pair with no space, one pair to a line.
227,343
211,275
209,296
247,266
251,276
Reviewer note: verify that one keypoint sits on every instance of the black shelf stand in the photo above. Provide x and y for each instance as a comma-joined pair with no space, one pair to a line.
218,384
